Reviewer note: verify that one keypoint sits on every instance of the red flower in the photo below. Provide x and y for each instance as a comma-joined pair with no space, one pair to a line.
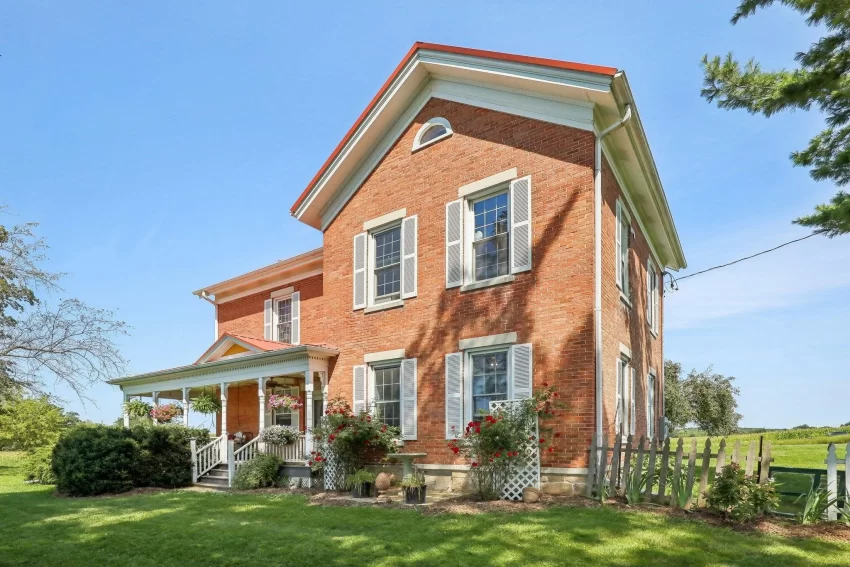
496,455
474,464
310,463
455,450
542,440
551,449
331,437
558,434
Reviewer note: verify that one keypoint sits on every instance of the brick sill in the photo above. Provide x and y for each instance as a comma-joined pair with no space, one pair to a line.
384,306
488,283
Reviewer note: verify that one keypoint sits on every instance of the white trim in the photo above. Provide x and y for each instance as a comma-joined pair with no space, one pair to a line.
275,313
385,219
468,353
281,292
498,280
488,341
482,184
563,471
371,357
437,121
220,298
468,230
625,351
384,306
653,372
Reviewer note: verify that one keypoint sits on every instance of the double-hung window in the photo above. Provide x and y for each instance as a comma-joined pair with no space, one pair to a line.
488,231
387,390
623,242
480,375
388,394
652,297
282,317
385,262
625,414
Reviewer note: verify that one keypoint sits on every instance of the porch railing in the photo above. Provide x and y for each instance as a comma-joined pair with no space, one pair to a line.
208,456
246,452
291,452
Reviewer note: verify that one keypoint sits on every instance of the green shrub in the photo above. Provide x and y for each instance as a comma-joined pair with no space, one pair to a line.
739,497
258,473
358,478
37,465
97,459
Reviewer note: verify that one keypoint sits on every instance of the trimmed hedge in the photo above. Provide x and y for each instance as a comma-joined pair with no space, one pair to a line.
260,472
96,459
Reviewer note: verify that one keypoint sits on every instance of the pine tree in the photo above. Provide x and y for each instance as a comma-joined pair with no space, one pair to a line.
821,81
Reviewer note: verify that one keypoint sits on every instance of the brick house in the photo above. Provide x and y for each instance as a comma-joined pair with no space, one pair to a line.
490,222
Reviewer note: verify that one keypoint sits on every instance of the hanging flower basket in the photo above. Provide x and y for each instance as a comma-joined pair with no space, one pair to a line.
285,401
206,404
279,435
138,408
166,412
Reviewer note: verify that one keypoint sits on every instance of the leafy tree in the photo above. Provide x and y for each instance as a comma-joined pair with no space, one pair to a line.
70,342
822,80
677,408
712,400
29,423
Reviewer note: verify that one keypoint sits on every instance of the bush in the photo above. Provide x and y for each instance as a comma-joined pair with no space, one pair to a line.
739,497
97,459
37,465
258,473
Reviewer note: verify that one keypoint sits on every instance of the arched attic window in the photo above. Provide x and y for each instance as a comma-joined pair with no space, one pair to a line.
431,132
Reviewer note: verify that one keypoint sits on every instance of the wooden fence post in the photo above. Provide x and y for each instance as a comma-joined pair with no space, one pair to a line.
721,457
639,464
832,482
650,469
703,477
751,458
844,511
603,464
615,466
627,461
764,465
665,461
231,464
193,447
677,466
736,453
692,465
591,467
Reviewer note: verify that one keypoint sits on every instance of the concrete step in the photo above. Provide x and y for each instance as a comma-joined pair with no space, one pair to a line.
217,480
217,474
214,486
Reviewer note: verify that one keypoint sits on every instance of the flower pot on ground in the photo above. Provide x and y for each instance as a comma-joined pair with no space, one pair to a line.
414,488
360,483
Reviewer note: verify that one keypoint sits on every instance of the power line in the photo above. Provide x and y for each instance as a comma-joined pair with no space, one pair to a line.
674,280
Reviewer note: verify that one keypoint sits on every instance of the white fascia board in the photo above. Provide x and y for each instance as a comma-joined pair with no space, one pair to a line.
222,298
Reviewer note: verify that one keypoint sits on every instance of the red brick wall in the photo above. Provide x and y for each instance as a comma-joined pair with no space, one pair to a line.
624,324
243,409
244,316
551,306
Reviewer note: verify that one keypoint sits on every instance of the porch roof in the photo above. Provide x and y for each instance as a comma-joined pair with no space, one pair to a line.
286,359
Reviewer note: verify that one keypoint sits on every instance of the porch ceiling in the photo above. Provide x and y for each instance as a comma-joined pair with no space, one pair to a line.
295,360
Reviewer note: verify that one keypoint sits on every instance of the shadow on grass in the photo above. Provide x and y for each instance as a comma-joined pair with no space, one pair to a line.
187,528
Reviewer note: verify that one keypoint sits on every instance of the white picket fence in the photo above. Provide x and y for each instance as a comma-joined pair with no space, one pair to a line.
832,462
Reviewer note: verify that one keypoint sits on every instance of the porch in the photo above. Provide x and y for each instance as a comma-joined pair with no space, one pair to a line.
242,372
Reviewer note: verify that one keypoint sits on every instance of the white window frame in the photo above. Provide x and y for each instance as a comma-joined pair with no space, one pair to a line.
624,220
620,405
371,385
652,296
296,415
469,231
436,121
467,374
371,254
651,384
275,302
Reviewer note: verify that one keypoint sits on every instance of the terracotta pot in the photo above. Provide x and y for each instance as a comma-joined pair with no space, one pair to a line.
382,481
530,495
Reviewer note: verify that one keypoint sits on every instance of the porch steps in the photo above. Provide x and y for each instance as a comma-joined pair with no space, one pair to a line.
215,478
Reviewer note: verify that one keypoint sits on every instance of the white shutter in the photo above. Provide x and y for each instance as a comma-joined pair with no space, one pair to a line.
454,395
520,241
359,388
618,412
408,399
454,244
648,397
408,256
360,241
521,372
649,294
618,245
267,320
296,318
632,405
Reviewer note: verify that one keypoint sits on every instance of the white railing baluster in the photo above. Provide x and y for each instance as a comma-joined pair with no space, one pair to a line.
209,456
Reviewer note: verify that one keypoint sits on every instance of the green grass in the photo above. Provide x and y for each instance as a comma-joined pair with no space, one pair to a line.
191,528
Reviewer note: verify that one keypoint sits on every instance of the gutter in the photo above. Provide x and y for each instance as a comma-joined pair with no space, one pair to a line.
597,261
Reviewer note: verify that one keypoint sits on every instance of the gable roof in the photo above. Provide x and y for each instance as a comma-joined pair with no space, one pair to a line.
563,92
250,344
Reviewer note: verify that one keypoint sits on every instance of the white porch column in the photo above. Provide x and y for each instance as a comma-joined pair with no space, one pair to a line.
186,407
223,408
308,411
125,412
323,376
261,392
155,400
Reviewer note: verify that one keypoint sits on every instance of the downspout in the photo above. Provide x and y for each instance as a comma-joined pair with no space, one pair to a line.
597,261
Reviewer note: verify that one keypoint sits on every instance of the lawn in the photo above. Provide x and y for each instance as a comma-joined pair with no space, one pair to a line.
188,528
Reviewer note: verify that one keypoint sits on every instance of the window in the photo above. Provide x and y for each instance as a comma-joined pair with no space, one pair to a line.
388,395
651,296
621,415
282,416
387,272
650,405
432,131
490,237
489,380
623,238
283,310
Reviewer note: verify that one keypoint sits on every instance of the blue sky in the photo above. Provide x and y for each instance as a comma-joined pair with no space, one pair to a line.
161,146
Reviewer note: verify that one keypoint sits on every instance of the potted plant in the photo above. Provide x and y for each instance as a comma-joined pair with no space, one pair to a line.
279,435
206,404
164,413
138,408
414,489
285,402
360,483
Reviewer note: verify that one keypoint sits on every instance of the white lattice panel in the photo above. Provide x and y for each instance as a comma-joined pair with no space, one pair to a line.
526,469
333,475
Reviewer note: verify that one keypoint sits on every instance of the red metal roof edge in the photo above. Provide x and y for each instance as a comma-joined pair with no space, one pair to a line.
568,65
